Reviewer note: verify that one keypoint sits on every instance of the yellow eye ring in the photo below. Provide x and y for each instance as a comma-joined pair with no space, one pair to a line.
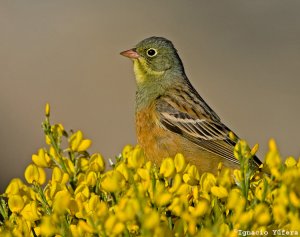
151,52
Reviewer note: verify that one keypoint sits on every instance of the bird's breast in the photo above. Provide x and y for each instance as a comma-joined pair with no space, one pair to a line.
152,137
159,143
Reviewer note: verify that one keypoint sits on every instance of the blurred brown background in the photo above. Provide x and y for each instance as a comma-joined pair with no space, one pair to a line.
242,56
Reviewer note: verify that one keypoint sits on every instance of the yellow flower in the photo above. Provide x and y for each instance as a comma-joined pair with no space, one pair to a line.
53,154
260,190
232,136
14,186
192,227
144,174
148,165
254,149
136,158
76,231
237,176
100,208
77,143
291,176
281,195
118,228
91,178
97,163
133,229
151,219
85,227
294,221
207,181
80,178
47,110
122,168
195,193
31,173
75,140
73,207
30,212
48,226
145,178
294,199
273,159
83,164
290,162
47,140
279,214
242,149
69,165
177,206
113,181
272,145
225,178
219,192
61,201
162,199
246,218
127,151
184,189
57,129
206,232
93,204
261,214
179,162
42,159
82,192
84,145
113,226
56,174
127,209
15,203
167,168
35,174
59,176
224,230
37,230
191,176
177,181
234,199
21,228
200,209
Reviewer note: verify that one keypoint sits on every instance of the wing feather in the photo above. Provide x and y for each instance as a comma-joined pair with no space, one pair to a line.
195,124
183,111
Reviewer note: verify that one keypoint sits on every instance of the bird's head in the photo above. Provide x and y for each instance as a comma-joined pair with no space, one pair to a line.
153,58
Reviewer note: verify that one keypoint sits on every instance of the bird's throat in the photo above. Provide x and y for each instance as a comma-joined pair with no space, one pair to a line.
150,83
143,71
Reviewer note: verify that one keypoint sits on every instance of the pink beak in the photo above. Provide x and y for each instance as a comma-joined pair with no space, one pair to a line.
131,53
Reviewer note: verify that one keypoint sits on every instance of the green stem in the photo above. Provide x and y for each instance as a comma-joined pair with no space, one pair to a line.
114,198
3,209
65,225
43,199
170,222
47,131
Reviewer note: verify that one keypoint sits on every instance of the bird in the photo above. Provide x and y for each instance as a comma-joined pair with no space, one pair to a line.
170,115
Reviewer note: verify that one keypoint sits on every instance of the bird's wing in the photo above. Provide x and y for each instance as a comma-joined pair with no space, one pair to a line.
188,115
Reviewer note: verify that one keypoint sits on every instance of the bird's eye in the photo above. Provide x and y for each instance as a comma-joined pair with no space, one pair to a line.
151,52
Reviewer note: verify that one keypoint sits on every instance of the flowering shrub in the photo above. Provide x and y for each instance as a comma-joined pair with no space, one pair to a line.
136,198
